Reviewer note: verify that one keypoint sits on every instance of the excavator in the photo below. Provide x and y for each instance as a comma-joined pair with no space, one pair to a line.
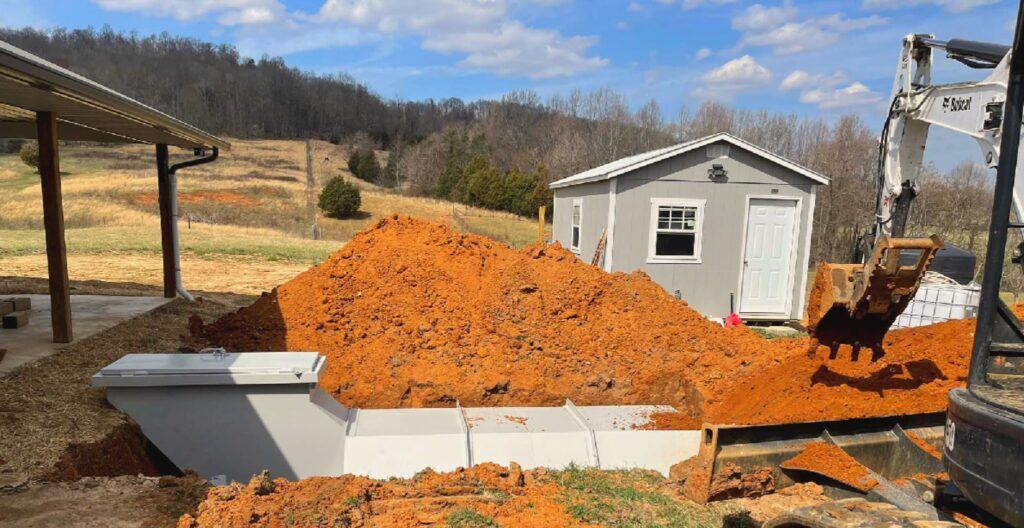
855,304
981,435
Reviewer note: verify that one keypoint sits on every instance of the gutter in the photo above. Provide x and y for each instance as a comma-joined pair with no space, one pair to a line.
176,247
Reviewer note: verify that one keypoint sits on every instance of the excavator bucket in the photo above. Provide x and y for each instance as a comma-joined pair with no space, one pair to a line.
855,304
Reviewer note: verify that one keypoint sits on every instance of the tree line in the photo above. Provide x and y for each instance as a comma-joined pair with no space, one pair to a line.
214,87
500,154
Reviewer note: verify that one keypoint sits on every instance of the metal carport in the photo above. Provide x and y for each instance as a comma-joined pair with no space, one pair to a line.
43,101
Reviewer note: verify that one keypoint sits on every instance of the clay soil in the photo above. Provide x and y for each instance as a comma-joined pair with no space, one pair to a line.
484,496
506,496
413,314
834,463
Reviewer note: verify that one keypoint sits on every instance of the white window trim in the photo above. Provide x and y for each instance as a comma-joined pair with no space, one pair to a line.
572,211
652,231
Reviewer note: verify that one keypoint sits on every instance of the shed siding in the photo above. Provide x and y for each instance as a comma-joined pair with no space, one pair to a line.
708,284
595,216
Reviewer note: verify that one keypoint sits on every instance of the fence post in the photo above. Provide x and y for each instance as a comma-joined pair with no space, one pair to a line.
540,223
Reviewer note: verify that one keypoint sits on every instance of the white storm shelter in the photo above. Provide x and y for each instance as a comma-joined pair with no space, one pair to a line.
232,415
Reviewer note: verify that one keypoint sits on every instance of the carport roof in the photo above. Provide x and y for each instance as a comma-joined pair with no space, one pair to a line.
631,163
86,110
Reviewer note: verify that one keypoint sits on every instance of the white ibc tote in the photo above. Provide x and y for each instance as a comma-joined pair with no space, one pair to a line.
940,299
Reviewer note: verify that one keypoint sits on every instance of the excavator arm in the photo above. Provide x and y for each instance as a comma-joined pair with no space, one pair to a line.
855,304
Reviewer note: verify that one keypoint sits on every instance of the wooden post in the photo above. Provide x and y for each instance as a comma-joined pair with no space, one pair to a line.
53,222
540,223
163,178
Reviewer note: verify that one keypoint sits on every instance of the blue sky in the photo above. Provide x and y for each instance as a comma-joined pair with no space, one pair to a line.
822,58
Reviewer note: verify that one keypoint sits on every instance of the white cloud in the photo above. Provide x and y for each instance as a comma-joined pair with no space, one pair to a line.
247,16
390,16
288,38
636,7
800,79
954,6
233,12
515,49
694,4
622,26
738,75
481,29
823,90
779,28
855,94
702,54
759,17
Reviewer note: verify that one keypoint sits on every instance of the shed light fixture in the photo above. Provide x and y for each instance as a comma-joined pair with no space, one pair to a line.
717,171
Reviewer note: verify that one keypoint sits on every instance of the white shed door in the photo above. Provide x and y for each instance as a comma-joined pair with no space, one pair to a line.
768,261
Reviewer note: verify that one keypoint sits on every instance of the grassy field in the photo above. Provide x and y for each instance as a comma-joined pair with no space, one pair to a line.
253,208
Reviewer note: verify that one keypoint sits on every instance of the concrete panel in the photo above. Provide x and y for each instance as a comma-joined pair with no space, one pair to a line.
294,431
530,436
385,443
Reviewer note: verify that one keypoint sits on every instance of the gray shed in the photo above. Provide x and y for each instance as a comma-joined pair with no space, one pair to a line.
717,221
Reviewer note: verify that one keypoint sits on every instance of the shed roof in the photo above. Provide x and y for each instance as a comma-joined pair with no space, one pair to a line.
631,163
86,110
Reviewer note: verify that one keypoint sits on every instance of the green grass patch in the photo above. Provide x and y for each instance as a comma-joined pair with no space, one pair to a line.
467,518
202,243
630,499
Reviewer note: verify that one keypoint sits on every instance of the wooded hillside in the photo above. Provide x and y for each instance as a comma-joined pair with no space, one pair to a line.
499,154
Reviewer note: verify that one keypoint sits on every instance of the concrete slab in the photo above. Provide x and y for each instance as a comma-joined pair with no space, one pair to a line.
90,314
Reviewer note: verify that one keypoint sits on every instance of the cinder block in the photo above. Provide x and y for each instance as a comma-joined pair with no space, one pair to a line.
22,304
6,307
15,319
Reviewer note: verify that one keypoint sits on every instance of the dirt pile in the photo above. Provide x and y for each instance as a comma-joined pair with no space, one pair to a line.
480,496
414,314
833,462
919,367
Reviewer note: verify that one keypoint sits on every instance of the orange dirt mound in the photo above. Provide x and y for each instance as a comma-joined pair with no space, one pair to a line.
414,314
508,496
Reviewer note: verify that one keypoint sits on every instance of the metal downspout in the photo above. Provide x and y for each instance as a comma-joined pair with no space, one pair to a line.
176,247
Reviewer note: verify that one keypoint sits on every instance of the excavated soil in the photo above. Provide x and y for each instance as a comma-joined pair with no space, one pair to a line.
124,451
507,496
414,314
833,462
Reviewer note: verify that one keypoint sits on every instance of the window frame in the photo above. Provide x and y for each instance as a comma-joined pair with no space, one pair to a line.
577,202
653,230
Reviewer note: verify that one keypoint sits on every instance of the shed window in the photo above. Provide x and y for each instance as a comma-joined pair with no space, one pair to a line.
675,230
577,223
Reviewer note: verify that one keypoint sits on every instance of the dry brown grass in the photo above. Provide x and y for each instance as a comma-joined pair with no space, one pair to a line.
245,275
253,202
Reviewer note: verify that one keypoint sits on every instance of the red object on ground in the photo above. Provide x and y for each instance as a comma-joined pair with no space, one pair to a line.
732,320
